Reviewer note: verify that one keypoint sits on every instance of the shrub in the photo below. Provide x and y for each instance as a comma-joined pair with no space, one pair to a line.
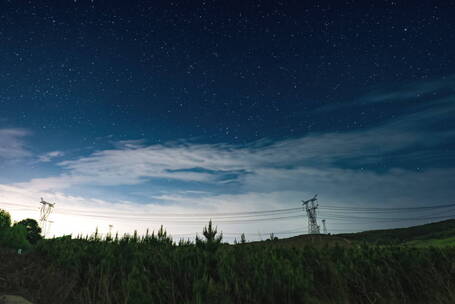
33,230
15,237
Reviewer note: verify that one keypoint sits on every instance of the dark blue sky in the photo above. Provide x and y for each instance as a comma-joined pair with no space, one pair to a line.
214,70
231,90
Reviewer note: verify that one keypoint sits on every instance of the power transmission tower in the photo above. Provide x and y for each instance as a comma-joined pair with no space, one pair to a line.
324,228
45,211
310,207
110,231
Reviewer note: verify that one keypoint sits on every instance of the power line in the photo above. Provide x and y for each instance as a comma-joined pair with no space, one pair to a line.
243,213
377,209
333,208
333,213
197,221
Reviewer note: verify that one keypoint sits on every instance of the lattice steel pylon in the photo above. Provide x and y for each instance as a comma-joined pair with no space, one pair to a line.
45,212
324,227
310,207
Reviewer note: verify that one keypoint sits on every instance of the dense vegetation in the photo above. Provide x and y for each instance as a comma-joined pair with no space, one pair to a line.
22,234
154,269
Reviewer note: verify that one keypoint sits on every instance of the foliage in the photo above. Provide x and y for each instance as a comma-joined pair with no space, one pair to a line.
212,241
153,269
15,237
33,230
12,237
5,219
444,242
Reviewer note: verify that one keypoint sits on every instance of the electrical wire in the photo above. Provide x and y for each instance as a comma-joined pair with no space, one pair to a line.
331,212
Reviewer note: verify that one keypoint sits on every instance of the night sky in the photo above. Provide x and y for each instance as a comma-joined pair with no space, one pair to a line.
219,106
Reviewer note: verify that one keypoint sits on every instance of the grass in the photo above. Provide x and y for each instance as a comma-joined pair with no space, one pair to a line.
444,242
428,232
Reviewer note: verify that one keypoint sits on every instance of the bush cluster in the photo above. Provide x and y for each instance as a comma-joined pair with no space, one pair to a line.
20,235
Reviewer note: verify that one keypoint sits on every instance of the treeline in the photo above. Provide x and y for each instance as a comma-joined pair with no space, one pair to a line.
20,235
155,269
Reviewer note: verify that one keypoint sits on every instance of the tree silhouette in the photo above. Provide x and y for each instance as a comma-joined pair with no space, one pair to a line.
243,238
212,240
33,230
5,219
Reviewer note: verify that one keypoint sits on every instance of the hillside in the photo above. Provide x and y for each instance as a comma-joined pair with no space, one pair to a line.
443,231
438,234
313,240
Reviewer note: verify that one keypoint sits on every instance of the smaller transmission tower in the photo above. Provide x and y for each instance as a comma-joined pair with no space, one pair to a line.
45,212
110,230
310,207
324,228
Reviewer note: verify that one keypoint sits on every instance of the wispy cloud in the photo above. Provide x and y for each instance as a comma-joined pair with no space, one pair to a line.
411,91
47,157
418,95
135,163
267,174
12,145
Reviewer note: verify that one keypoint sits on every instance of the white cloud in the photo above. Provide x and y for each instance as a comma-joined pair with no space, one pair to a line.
267,175
47,157
74,215
132,162
12,145
268,190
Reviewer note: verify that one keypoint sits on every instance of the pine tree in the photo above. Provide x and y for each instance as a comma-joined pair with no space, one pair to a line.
212,240
243,238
